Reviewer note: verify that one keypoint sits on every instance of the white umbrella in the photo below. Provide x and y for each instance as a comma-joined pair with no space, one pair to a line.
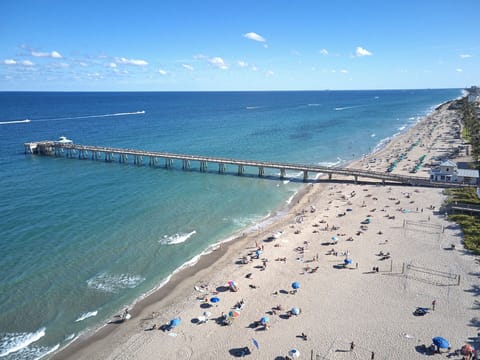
294,353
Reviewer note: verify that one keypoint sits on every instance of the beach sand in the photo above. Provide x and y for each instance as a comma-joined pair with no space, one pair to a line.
408,239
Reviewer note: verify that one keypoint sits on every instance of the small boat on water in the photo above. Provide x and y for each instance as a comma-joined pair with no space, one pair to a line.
64,140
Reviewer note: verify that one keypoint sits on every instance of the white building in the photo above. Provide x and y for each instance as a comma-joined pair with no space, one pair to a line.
448,171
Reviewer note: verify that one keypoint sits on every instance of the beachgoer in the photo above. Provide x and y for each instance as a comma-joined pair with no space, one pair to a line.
434,302
304,336
352,346
373,356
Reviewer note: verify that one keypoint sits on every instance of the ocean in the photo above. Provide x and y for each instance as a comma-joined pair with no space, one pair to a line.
80,239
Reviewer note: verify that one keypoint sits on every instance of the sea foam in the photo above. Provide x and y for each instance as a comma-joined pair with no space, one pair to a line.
87,315
13,342
113,283
177,238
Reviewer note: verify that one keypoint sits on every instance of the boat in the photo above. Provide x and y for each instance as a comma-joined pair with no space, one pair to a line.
64,140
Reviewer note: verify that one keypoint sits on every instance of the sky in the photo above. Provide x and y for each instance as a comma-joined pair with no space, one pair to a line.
229,45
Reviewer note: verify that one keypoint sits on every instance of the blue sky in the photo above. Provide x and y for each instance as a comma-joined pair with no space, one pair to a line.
208,45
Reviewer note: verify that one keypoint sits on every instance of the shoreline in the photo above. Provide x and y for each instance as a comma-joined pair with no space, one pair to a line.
179,289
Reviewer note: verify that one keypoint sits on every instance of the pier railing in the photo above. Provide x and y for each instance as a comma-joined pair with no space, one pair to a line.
155,158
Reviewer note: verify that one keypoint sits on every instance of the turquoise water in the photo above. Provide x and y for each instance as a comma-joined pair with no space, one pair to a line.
82,239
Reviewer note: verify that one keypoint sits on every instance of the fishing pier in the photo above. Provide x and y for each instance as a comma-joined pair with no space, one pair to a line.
166,160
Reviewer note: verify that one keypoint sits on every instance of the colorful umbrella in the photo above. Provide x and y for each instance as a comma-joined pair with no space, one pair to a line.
467,349
264,320
296,285
295,310
232,283
441,342
214,299
234,313
175,322
347,261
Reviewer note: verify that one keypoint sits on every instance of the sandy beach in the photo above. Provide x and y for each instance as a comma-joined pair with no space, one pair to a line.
365,257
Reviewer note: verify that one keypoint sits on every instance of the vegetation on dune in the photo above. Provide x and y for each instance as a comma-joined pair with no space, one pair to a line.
470,224
471,128
467,195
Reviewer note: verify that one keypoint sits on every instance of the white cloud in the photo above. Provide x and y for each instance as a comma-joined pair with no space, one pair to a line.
14,62
269,73
81,63
360,51
344,71
162,72
242,64
324,52
53,54
254,36
465,56
459,70
188,67
254,68
135,62
112,65
218,62
200,57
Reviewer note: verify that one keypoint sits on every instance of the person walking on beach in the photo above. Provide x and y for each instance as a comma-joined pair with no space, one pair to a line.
373,356
434,302
352,346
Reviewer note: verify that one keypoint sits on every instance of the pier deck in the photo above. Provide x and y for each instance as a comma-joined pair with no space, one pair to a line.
140,157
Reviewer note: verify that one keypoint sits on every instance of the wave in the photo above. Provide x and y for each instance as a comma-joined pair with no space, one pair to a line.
15,122
401,128
87,315
177,238
314,104
332,164
349,107
141,112
113,283
13,342
373,135
252,107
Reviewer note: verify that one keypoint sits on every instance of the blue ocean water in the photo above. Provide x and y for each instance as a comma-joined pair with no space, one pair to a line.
82,239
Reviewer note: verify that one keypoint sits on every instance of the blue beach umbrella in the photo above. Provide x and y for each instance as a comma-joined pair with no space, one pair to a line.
296,285
175,322
347,261
441,342
295,311
264,320
334,238
214,299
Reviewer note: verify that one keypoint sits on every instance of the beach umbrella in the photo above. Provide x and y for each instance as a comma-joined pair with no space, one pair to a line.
347,261
294,353
264,320
234,313
207,314
349,209
295,310
334,238
467,349
255,342
441,342
175,322
258,252
214,299
232,283
296,285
